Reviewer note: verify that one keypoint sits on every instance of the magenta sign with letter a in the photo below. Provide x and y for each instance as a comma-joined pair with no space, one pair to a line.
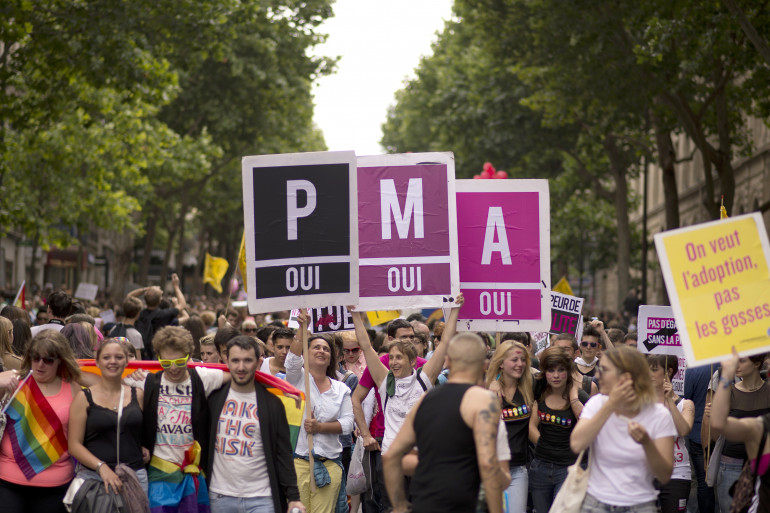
407,232
504,250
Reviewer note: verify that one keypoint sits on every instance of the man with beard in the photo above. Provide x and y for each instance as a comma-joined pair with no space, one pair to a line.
250,464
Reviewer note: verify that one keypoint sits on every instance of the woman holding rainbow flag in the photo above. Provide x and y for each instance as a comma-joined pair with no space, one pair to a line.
35,467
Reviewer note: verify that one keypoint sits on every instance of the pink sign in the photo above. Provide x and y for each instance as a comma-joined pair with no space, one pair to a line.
406,228
504,250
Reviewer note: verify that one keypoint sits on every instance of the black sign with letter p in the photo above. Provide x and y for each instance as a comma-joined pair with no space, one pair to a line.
301,240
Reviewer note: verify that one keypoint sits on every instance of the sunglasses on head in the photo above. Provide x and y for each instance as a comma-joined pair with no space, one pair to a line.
587,344
179,362
48,360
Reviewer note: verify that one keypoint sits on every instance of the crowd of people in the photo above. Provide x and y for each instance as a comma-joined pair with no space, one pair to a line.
468,422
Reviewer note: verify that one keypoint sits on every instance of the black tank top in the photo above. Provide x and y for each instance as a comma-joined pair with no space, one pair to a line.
447,476
555,428
101,432
516,415
744,405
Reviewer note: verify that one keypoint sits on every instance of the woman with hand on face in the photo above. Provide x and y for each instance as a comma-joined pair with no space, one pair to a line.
53,370
747,431
674,494
332,415
554,416
93,422
510,377
630,434
402,385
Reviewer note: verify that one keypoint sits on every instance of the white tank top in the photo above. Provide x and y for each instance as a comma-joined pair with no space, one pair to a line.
681,456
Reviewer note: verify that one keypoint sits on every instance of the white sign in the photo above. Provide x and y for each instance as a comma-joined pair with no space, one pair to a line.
86,291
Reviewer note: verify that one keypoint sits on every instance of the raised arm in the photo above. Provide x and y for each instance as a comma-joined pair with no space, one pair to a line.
599,325
304,320
178,292
735,430
682,420
377,369
433,367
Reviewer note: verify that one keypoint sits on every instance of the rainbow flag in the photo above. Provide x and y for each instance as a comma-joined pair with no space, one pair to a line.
293,400
21,295
36,433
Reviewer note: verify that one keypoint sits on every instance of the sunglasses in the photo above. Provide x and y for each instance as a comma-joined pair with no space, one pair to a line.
48,360
589,344
352,351
249,330
179,362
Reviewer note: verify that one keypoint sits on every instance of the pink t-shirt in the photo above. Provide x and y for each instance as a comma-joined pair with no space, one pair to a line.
61,472
377,426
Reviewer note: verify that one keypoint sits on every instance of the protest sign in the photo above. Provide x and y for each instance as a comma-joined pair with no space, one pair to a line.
329,319
407,231
657,334
504,252
300,216
86,291
541,340
565,314
717,276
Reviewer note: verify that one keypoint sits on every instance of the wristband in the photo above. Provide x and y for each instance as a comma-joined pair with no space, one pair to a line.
98,466
725,382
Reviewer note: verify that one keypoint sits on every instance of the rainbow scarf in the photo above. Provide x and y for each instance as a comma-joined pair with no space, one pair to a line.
178,488
293,400
36,432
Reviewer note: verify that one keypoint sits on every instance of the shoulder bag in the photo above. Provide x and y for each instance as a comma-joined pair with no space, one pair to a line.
573,490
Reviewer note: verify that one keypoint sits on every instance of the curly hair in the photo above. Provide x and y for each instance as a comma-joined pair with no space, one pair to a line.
173,338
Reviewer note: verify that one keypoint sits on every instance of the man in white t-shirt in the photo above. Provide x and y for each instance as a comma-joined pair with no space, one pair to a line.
250,453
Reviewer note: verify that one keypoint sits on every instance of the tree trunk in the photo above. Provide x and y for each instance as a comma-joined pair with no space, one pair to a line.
167,253
667,163
149,243
618,169
33,263
123,244
180,252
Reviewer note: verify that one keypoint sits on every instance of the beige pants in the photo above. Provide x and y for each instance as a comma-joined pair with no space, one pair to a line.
323,500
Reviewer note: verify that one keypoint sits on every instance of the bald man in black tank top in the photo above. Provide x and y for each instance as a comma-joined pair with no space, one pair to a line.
453,465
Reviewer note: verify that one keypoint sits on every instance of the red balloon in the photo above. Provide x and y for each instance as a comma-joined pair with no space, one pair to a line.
487,166
501,174
476,177
484,176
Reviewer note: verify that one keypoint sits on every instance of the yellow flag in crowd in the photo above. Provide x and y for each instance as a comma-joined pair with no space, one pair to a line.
382,316
563,287
214,269
242,262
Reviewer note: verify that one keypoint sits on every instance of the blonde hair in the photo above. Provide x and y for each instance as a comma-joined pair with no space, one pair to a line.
6,341
633,362
525,382
54,344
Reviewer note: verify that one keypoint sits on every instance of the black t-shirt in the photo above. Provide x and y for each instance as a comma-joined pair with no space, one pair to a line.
149,322
516,415
555,429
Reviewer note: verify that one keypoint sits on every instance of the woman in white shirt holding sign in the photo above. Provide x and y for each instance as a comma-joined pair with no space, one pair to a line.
402,385
674,494
630,434
332,415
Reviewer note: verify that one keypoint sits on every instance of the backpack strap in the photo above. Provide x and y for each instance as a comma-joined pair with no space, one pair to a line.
420,381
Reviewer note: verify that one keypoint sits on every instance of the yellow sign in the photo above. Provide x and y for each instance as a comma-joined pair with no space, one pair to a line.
718,280
563,287
382,316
